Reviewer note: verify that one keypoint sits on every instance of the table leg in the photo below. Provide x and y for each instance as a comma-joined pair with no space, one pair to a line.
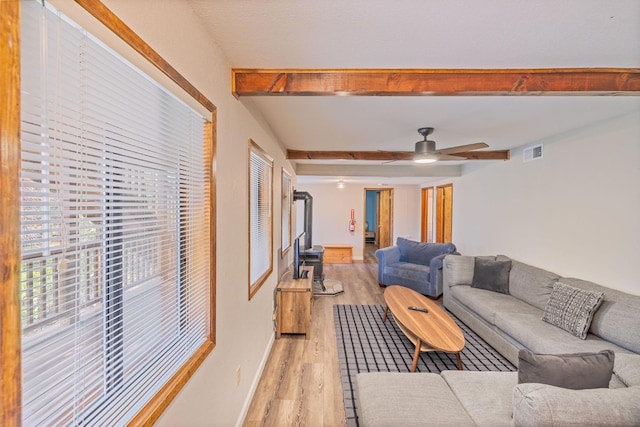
416,355
459,361
386,310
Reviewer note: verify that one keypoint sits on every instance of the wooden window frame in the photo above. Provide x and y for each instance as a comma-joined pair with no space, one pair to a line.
10,148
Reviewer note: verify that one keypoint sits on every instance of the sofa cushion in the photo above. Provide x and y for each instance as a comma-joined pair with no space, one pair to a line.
491,275
406,270
541,337
627,368
389,399
420,252
545,405
532,285
459,270
572,309
576,371
618,317
486,304
486,409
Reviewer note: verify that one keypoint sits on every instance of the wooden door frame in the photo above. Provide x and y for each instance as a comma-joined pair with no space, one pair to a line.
364,212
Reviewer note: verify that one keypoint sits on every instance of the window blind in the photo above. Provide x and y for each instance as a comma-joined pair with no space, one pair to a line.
286,210
260,215
115,213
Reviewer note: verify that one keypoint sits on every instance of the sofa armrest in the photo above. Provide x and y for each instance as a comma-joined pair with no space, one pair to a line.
386,256
540,404
438,261
435,272
456,270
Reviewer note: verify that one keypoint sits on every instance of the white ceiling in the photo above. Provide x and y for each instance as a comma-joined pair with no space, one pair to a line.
425,34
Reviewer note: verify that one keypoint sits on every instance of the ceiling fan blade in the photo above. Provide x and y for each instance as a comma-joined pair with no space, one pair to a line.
462,148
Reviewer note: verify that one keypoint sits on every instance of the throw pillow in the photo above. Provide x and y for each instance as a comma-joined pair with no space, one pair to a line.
575,371
572,309
459,269
491,275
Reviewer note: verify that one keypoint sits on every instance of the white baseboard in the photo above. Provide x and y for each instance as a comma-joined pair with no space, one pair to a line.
254,384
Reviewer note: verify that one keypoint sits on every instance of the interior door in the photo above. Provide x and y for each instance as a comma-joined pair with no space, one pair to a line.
444,211
384,202
426,216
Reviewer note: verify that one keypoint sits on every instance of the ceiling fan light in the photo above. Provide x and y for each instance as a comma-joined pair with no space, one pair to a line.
425,160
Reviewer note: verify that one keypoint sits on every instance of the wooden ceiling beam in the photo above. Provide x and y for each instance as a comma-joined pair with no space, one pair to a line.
424,82
387,155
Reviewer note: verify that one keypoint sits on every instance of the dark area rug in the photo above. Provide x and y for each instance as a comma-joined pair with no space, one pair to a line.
365,344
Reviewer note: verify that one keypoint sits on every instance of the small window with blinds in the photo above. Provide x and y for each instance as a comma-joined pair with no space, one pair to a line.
115,217
260,217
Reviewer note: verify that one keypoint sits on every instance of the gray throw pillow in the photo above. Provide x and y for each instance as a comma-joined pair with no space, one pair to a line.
572,309
491,275
575,371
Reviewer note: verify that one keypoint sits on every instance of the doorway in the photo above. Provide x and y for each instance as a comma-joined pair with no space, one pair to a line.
378,219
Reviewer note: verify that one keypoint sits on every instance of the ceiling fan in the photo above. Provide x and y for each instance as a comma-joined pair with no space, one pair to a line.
426,151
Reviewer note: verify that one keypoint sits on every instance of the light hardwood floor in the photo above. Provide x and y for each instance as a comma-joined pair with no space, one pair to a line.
300,385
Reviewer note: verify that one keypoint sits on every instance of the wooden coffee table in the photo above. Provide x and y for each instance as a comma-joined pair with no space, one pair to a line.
431,331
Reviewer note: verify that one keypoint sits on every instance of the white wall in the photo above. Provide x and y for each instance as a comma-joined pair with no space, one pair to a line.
332,209
576,211
244,328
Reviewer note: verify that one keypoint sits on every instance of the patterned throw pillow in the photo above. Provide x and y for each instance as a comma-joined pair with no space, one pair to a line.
572,309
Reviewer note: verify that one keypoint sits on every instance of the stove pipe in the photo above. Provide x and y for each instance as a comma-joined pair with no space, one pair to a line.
308,214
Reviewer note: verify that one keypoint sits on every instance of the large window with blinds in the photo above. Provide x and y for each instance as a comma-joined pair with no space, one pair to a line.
115,239
260,217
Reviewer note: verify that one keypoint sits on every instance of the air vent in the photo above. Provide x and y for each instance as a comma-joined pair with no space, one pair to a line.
532,153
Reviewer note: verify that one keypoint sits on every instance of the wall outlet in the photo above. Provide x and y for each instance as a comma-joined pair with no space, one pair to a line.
238,376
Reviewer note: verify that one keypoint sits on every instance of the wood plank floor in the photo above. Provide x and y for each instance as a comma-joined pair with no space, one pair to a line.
300,385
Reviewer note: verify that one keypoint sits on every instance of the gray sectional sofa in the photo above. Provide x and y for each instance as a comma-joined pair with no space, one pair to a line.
510,322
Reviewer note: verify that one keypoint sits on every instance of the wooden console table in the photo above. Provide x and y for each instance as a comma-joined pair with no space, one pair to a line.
293,304
338,254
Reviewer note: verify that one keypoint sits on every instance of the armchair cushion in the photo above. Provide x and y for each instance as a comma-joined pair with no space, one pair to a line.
420,252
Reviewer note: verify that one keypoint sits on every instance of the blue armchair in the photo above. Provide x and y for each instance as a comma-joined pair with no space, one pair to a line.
415,265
